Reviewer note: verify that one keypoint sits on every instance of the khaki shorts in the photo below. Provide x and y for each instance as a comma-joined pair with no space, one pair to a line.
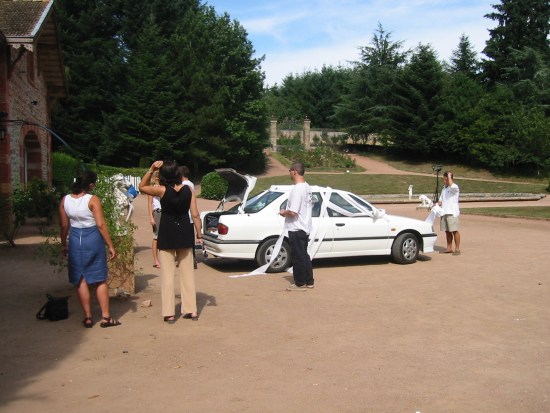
156,217
449,223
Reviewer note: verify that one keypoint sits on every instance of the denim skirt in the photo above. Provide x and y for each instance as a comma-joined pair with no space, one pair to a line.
87,256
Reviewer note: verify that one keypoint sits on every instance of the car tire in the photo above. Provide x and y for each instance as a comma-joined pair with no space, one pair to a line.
405,249
281,263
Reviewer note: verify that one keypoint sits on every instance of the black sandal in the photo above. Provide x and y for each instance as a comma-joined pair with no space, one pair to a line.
170,319
190,316
88,322
109,322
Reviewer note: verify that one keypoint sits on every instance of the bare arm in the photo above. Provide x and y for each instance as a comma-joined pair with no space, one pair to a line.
150,206
64,226
97,211
196,216
145,184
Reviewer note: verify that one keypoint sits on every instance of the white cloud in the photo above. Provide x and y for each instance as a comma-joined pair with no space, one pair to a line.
300,35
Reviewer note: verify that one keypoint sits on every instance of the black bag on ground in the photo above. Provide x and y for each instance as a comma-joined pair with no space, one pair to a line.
57,308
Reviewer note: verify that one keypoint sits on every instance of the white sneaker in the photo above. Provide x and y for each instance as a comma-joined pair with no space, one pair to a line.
294,287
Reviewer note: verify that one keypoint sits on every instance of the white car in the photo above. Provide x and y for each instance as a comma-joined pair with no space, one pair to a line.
344,225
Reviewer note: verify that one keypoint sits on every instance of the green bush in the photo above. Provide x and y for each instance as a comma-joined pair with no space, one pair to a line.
44,200
65,169
213,186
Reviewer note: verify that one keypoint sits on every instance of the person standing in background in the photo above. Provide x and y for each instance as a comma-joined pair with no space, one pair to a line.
298,222
176,237
451,211
184,170
155,209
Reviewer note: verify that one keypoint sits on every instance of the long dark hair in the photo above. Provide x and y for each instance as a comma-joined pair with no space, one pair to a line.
170,174
83,182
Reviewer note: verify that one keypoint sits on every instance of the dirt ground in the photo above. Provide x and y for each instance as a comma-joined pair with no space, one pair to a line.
461,334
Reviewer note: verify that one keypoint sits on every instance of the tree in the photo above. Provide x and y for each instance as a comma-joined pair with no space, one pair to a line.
365,109
464,59
520,24
94,64
146,112
418,98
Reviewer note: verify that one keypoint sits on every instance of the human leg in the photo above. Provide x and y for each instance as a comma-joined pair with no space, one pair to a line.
154,247
102,294
83,293
449,236
167,271
457,240
299,256
187,282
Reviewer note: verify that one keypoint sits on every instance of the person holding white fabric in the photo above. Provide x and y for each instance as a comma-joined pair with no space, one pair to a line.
450,213
298,223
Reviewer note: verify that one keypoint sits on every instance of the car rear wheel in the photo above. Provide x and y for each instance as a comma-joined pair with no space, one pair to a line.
283,260
405,249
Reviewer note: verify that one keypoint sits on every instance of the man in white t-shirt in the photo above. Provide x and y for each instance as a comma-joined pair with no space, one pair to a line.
451,211
298,223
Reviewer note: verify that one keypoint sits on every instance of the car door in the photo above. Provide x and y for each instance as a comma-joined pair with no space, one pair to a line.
356,235
322,230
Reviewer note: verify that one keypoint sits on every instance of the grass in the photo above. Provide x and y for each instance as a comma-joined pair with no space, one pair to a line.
460,171
467,178
399,184
515,212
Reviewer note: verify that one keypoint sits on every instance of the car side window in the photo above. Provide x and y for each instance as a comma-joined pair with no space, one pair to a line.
316,207
260,201
361,202
337,199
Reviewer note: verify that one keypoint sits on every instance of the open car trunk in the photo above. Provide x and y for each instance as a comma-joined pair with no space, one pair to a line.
239,187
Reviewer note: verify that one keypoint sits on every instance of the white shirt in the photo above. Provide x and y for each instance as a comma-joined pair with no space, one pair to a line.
189,184
449,200
299,202
78,211
156,203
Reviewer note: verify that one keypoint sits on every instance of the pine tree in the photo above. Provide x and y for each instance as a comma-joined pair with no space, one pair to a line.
464,59
520,24
417,104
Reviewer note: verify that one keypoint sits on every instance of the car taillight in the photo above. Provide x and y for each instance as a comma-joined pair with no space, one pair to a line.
222,229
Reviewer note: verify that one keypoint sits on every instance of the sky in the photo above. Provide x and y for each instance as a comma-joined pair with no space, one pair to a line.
303,35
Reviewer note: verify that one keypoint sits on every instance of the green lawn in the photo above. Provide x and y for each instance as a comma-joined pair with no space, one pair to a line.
399,184
519,212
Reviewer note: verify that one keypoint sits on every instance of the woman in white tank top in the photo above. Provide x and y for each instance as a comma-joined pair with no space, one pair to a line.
82,214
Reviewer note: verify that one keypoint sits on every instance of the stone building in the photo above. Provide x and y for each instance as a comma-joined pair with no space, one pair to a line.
32,80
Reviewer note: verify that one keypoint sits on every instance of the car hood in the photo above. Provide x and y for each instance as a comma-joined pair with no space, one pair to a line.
239,187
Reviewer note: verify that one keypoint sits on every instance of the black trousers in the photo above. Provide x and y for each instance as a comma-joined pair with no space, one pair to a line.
301,264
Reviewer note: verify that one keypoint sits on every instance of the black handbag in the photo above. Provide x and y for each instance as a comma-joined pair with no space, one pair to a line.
57,308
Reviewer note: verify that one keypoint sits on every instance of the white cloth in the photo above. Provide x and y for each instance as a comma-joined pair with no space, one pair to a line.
449,200
299,202
78,211
436,212
156,203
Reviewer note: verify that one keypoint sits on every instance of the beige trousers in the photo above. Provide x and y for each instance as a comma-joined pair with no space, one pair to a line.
168,270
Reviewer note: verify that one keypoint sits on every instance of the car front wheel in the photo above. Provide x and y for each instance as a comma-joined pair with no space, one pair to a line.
405,249
279,264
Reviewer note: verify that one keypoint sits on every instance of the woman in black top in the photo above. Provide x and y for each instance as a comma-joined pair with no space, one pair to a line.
176,237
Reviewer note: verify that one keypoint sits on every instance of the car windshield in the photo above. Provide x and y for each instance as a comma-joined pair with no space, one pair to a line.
258,202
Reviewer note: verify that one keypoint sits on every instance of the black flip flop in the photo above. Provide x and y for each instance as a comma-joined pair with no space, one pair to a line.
109,322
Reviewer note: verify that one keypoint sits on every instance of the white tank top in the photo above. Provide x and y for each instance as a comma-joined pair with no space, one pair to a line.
78,211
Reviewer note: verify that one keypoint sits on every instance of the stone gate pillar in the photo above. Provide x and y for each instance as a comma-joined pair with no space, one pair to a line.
307,133
273,133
